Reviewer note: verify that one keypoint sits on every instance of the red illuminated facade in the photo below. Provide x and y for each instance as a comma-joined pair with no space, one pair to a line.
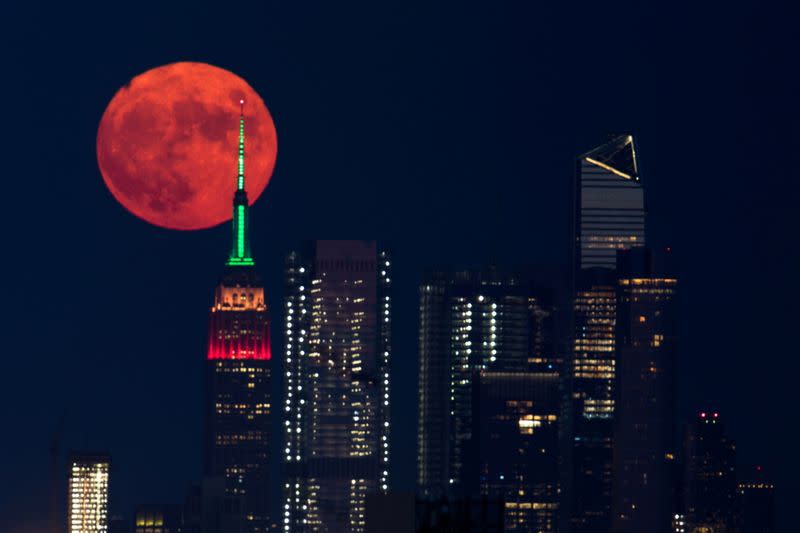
239,322
238,379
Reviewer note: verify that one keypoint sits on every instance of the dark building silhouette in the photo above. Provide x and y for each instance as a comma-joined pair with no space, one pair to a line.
237,440
756,502
158,518
516,446
609,215
470,321
336,383
392,512
644,437
404,513
119,524
211,508
710,477
470,514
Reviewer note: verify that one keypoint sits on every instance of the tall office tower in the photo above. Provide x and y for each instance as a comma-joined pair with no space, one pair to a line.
644,436
710,479
756,503
516,446
336,383
609,216
87,506
609,204
237,443
470,322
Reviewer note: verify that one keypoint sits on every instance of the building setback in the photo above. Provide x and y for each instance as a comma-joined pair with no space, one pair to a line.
238,404
336,384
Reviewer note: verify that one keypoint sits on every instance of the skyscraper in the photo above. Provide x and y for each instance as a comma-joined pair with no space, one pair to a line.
336,383
644,436
710,478
469,322
516,430
87,505
610,210
237,443
609,215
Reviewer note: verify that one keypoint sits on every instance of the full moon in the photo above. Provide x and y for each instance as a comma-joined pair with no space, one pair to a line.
167,145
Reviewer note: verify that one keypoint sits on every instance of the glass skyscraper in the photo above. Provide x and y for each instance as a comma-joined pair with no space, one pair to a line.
470,322
337,384
609,215
610,204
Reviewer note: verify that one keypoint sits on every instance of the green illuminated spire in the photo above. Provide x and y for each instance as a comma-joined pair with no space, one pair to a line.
240,251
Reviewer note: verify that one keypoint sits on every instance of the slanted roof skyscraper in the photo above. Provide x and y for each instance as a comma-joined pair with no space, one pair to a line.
609,215
610,211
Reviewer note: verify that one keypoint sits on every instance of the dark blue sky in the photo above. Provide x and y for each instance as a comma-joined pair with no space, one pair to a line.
448,128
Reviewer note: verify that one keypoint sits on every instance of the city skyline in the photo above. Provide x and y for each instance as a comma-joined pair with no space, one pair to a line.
456,147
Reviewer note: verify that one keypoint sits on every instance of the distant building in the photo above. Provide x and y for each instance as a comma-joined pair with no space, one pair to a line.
119,524
238,389
471,514
391,512
609,215
211,508
403,513
644,437
87,505
756,501
471,321
516,446
710,478
155,518
336,383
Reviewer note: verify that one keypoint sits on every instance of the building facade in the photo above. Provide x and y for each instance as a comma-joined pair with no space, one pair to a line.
87,493
644,435
710,477
238,403
469,322
516,446
609,215
336,384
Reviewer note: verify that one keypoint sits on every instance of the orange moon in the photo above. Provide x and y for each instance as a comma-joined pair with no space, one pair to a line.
167,145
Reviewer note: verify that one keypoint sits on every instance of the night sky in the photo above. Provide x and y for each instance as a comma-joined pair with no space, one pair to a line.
448,129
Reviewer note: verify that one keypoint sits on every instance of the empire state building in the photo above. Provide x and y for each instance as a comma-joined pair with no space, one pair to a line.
238,404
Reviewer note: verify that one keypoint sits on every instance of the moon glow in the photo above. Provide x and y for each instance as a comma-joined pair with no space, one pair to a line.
167,145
